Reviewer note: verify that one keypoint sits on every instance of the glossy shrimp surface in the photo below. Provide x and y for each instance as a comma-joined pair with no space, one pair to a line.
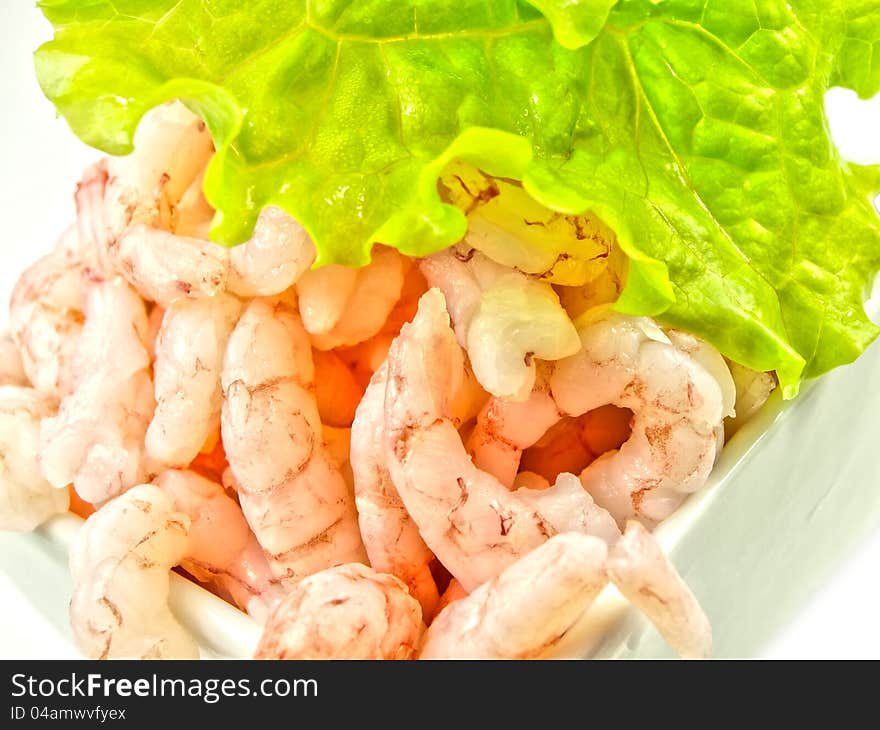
527,609
143,209
391,537
278,253
504,319
235,563
678,407
26,498
120,563
469,519
188,358
46,319
96,441
292,493
346,612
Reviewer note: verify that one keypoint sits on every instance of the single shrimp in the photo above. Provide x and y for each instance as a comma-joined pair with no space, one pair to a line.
172,147
277,255
503,318
376,290
677,392
291,492
96,439
390,535
46,319
678,406
165,267
11,366
641,571
346,612
337,391
236,562
120,563
26,499
470,520
525,611
189,357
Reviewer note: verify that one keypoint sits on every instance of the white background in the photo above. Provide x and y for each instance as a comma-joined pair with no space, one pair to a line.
41,161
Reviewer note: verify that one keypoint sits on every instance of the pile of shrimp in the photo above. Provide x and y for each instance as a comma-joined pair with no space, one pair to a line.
421,458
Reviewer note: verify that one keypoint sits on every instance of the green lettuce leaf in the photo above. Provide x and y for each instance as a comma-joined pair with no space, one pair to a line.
695,128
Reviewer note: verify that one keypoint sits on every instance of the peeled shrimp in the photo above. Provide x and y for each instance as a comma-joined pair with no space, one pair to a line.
220,545
172,147
527,609
677,391
645,576
135,219
165,267
291,492
46,318
120,563
346,612
91,217
26,499
277,255
503,318
472,523
11,366
376,290
677,404
390,535
96,440
189,357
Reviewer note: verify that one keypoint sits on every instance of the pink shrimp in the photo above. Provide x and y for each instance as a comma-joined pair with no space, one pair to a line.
291,492
391,537
236,562
346,612
472,523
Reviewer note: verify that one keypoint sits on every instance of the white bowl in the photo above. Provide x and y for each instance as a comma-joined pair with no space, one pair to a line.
794,491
